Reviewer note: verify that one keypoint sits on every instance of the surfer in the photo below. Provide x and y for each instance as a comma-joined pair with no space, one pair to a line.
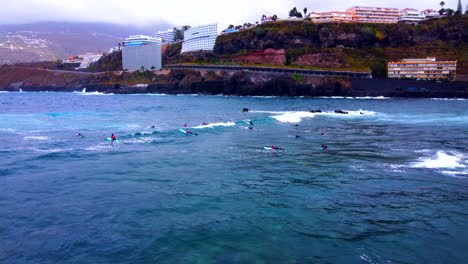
297,136
153,126
251,123
113,138
324,147
79,134
204,124
185,125
190,132
274,147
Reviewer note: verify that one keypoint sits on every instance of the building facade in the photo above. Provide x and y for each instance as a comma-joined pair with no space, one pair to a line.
167,37
428,68
200,38
141,53
410,15
430,13
374,14
333,16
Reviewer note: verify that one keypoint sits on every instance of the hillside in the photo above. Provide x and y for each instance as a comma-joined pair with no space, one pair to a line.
57,40
356,46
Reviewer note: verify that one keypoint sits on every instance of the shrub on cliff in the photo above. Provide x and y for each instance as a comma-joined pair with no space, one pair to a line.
108,62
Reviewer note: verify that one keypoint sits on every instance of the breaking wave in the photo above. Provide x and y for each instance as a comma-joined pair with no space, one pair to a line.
212,125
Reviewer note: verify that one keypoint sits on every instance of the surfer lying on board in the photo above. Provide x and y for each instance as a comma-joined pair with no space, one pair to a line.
79,134
190,132
297,136
324,147
204,124
274,147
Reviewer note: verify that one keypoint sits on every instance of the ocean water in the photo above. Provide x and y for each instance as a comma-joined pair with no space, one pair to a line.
392,187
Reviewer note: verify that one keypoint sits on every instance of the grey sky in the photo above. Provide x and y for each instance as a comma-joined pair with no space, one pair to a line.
180,12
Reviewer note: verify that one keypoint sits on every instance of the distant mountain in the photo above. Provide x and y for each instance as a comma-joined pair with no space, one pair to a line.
57,40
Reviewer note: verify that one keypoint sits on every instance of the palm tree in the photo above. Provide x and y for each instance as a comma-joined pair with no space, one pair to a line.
442,10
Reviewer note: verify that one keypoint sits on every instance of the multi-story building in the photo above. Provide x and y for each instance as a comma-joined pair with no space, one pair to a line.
333,16
89,58
200,38
410,15
167,36
141,53
428,68
374,14
430,13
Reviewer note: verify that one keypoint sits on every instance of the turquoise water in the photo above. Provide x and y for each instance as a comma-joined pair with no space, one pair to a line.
392,187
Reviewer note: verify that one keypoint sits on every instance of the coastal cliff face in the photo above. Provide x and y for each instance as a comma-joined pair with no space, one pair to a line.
213,83
357,46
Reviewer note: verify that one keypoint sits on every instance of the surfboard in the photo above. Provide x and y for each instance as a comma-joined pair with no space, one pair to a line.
185,132
110,139
269,148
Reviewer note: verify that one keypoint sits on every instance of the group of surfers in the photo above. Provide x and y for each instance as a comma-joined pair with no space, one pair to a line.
250,123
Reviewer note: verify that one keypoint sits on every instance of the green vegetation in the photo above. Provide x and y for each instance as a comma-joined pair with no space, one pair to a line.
108,62
353,45
294,13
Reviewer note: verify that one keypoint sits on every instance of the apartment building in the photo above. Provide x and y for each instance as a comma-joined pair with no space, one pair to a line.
167,37
142,52
430,13
200,38
410,15
333,16
374,14
428,68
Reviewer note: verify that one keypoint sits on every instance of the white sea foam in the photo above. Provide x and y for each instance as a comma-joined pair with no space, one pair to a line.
4,91
213,125
456,99
297,116
293,117
357,98
94,93
36,138
7,130
349,113
442,160
139,140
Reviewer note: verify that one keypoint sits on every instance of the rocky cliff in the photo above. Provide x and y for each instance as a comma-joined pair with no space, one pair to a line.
356,46
209,82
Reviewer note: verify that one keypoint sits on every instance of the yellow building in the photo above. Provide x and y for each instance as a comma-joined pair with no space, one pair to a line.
374,14
334,16
428,68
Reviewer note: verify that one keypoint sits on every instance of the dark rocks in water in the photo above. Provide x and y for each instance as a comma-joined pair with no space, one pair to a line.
341,112
245,110
316,111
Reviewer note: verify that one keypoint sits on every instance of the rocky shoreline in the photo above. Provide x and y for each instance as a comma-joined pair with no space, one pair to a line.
234,84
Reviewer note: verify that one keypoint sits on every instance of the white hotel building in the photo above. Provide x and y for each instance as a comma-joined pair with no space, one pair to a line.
167,37
142,52
200,38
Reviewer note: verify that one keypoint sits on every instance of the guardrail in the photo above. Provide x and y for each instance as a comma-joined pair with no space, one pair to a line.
308,72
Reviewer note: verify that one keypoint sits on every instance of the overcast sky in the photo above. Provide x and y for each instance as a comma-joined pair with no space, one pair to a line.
180,12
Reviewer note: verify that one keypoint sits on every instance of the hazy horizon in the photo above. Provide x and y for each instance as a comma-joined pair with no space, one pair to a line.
183,12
